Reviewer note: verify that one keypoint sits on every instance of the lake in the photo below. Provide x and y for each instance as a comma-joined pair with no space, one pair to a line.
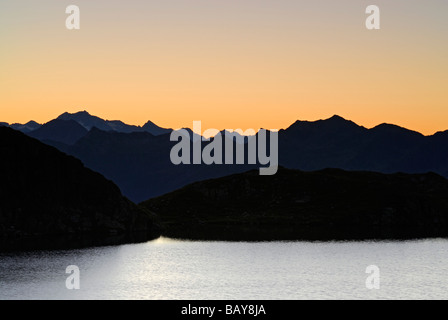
174,269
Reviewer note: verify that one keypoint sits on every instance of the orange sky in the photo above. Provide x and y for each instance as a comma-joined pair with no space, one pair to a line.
231,64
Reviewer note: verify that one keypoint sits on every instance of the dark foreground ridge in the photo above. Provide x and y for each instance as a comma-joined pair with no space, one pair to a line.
50,200
331,204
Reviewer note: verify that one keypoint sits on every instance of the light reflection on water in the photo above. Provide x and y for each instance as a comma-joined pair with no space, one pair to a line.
172,269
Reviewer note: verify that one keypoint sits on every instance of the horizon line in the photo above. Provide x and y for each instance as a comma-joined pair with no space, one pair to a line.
233,129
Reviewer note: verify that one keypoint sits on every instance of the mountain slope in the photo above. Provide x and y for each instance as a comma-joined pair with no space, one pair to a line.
50,199
67,132
25,128
323,205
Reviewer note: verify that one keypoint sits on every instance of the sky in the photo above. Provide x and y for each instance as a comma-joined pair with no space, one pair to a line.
228,63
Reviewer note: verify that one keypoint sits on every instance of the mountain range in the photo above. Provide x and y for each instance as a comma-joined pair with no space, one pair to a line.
337,180
137,159
25,128
339,143
87,121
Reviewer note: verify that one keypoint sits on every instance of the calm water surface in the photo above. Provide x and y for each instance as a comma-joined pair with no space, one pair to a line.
171,269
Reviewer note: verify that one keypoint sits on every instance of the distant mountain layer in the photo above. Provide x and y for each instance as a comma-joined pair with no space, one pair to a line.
292,205
88,121
339,143
50,199
67,132
25,128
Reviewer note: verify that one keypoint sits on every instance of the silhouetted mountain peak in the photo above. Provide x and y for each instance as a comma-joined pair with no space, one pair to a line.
391,129
154,129
149,124
297,124
89,121
335,123
84,112
338,121
32,123
337,118
84,118
441,134
81,114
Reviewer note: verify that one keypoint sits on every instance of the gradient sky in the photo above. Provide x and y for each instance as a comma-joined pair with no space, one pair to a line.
230,63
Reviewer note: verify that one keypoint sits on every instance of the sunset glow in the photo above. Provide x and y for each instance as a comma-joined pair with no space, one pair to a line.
231,64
